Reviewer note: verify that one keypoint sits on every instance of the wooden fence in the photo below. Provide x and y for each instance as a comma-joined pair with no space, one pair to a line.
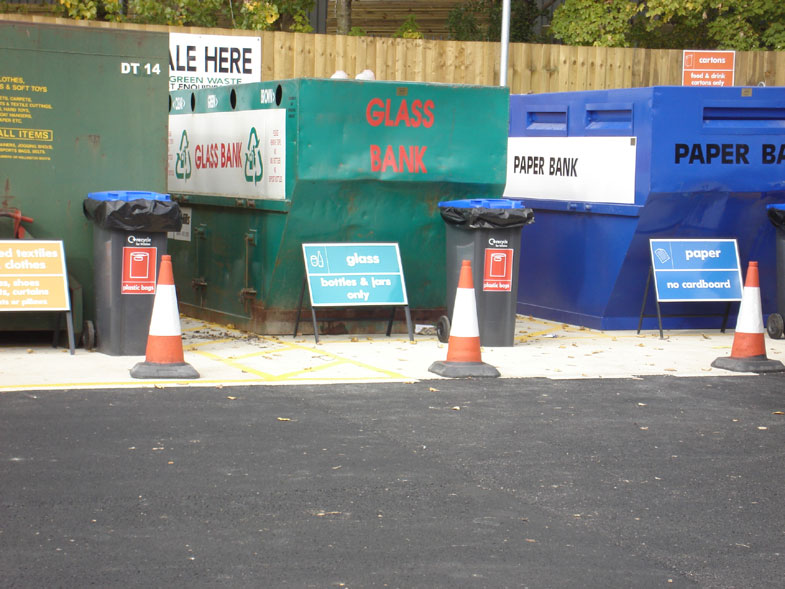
385,17
531,68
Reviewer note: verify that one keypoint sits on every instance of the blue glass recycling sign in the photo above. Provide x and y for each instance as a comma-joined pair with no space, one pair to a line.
353,274
696,270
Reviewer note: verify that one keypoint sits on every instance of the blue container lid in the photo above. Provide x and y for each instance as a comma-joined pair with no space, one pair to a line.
126,195
483,203
778,206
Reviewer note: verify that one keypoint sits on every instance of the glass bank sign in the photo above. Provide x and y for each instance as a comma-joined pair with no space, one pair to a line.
228,153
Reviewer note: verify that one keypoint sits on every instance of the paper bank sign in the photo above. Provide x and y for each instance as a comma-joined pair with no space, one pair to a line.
696,270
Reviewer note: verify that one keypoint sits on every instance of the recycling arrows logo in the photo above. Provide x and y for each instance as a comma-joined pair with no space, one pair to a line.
253,159
183,166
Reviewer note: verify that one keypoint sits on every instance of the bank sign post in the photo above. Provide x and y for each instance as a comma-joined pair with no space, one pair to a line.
354,274
694,270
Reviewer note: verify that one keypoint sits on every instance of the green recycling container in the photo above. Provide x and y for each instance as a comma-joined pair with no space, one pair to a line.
259,169
82,109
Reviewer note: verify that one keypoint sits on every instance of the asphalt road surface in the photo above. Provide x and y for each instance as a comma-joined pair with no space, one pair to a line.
653,482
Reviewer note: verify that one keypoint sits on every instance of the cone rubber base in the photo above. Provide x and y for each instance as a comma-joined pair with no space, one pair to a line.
751,364
173,370
463,369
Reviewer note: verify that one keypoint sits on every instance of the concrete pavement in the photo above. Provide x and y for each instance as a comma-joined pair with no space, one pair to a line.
227,357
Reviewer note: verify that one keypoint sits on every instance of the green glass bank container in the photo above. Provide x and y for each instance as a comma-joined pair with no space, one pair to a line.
259,169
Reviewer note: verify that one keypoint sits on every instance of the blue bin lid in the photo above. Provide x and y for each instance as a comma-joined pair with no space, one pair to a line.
126,195
778,206
483,203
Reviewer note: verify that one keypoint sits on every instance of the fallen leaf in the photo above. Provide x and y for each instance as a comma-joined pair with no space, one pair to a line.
530,540
232,398
283,419
762,427
433,390
30,351
778,413
456,408
158,386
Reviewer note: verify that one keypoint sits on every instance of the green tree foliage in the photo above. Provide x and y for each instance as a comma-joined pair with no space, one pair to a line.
608,23
481,20
286,15
409,29
677,24
196,13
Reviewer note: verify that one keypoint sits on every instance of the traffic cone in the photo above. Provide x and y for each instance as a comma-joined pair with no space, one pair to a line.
164,357
463,348
748,353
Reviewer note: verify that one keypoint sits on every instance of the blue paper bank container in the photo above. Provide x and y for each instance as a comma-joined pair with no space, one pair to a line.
605,171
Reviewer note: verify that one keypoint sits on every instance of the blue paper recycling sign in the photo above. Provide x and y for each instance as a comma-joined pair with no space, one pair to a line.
351,274
696,270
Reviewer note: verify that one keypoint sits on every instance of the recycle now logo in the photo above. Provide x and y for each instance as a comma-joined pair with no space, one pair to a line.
254,170
182,168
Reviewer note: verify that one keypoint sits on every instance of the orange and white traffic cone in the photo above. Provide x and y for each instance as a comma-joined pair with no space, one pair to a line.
748,353
164,357
464,358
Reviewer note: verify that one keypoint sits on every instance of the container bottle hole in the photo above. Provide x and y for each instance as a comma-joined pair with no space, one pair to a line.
193,102
233,99
278,95
170,103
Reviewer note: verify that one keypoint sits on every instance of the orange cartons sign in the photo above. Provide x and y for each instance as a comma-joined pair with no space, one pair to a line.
708,68
33,276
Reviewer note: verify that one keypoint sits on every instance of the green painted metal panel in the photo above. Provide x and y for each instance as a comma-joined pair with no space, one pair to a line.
81,110
340,161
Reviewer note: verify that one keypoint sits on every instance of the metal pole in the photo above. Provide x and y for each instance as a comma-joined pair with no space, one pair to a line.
505,42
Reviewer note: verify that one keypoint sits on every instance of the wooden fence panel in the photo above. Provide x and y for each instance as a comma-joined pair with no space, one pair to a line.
532,68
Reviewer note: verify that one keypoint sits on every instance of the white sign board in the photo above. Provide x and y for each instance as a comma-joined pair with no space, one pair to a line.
206,61
241,154
582,169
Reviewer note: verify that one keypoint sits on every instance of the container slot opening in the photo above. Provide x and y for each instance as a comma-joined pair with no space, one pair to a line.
609,117
546,120
719,117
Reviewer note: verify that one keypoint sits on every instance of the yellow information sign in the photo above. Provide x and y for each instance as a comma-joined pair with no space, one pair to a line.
33,276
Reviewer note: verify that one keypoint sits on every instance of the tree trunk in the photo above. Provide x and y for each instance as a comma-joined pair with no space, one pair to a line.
343,16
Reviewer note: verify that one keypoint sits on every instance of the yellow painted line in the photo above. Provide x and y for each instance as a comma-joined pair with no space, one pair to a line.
183,383
230,362
291,375
351,361
322,352
338,360
193,346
